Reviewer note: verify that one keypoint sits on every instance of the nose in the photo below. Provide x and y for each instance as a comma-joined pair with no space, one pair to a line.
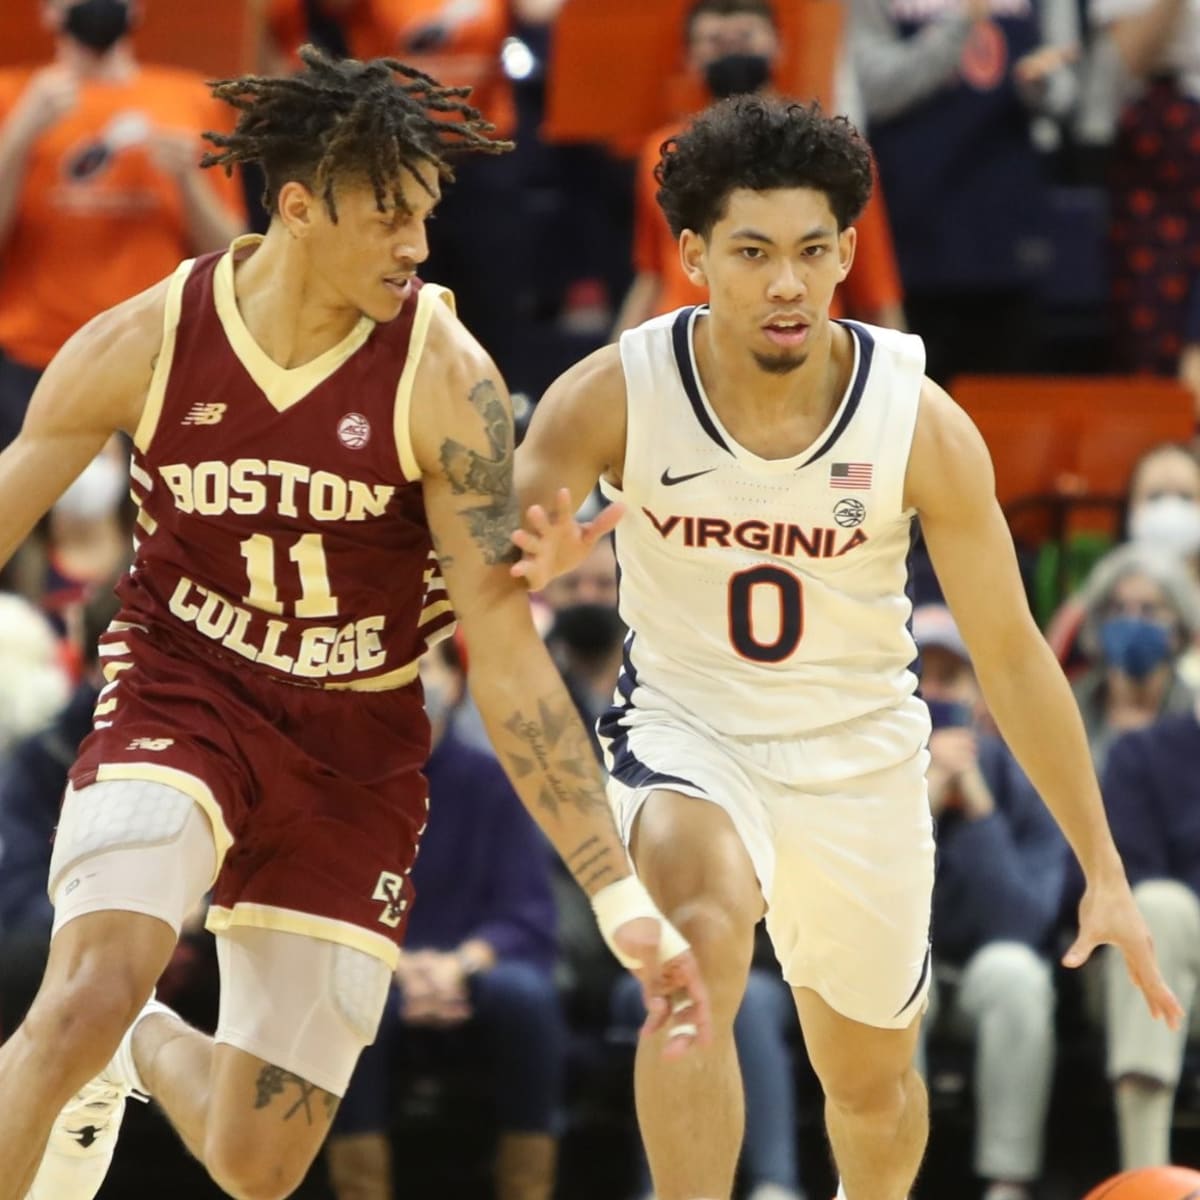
787,283
412,245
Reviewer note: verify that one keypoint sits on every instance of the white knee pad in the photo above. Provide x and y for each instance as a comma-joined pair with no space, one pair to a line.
300,1003
133,846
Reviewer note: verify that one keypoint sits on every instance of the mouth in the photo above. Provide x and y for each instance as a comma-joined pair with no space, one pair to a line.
398,285
786,332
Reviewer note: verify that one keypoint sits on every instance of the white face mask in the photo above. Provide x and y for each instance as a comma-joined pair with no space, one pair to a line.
1170,523
97,492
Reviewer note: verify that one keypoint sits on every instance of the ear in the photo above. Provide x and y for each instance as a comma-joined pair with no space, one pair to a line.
296,208
847,244
692,252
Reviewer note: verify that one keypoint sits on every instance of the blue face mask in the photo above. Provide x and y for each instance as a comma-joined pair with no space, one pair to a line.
949,714
1134,646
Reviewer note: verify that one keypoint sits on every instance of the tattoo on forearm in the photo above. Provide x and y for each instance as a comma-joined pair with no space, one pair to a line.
590,863
489,477
554,744
275,1081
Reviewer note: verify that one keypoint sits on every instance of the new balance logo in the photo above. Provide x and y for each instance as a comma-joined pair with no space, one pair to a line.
204,414
153,744
390,889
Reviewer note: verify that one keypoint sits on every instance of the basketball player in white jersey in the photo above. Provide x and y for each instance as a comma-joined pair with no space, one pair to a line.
766,749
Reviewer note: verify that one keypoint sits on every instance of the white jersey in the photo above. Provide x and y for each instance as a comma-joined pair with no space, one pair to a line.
764,597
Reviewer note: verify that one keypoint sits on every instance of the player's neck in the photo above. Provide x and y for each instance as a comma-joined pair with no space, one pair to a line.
286,312
733,380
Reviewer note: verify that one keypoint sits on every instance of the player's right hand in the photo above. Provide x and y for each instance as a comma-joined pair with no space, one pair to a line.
674,994
51,93
554,542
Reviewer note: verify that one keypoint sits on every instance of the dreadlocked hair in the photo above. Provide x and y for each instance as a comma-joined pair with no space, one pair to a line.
341,118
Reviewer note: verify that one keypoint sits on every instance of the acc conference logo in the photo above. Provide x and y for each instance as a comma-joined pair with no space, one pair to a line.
849,512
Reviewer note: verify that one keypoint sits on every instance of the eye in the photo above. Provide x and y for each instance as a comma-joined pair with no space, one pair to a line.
752,253
815,251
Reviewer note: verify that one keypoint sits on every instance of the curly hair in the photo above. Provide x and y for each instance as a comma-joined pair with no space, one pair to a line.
340,119
759,143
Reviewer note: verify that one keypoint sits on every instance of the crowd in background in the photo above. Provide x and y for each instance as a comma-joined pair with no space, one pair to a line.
1038,209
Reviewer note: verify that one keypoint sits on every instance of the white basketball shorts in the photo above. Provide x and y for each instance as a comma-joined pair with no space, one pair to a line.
838,828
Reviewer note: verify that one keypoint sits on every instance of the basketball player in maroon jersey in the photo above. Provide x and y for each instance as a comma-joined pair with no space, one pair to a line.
309,423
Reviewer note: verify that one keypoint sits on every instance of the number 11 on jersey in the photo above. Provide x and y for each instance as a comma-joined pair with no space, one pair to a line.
308,553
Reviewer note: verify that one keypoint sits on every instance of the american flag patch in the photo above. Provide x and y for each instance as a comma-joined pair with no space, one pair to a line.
850,475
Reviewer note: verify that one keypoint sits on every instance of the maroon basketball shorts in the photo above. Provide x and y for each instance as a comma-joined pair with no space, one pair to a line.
316,797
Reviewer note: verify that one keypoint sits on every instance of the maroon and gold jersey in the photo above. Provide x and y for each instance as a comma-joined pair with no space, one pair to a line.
281,522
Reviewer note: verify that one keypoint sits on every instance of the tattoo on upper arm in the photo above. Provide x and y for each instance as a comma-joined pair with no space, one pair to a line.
488,477
275,1081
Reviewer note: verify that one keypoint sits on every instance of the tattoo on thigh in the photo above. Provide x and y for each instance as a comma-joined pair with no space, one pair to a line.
275,1081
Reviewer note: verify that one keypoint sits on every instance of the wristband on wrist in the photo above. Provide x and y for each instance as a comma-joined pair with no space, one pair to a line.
626,900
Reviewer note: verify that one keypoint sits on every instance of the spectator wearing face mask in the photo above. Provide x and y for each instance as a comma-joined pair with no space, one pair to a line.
1000,870
733,46
1164,504
101,191
476,969
1151,790
1163,515
1141,614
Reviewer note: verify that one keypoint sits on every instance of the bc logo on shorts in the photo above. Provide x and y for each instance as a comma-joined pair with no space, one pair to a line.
390,889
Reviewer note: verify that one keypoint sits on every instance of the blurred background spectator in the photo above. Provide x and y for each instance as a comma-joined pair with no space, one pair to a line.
1152,794
1155,183
475,982
34,680
732,47
1141,614
949,90
1000,870
32,779
101,192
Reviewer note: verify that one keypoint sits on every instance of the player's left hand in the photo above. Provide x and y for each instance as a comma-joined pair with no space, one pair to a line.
1108,915
554,542
674,994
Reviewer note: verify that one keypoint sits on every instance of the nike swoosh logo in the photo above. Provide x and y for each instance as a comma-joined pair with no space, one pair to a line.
669,480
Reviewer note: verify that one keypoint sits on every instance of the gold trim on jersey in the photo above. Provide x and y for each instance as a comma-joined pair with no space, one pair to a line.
152,409
282,386
181,781
289,920
400,677
401,418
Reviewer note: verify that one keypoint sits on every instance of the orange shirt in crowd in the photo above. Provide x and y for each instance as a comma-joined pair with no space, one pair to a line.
97,220
470,56
873,282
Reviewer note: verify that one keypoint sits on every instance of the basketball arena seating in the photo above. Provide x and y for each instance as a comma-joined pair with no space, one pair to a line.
1064,448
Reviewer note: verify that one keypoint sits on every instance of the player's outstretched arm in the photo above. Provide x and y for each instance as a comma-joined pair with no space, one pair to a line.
952,486
462,434
577,435
95,386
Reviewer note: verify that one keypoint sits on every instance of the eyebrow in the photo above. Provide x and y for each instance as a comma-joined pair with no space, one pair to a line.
753,235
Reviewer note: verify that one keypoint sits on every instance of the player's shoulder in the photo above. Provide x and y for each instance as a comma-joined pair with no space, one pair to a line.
450,352
103,371
595,383
948,457
126,329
